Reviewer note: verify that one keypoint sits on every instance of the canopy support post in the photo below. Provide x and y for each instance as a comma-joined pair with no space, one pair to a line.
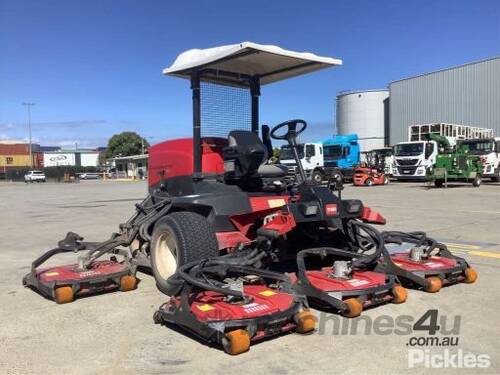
195,87
255,92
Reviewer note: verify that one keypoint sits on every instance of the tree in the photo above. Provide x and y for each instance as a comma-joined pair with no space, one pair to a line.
125,144
276,155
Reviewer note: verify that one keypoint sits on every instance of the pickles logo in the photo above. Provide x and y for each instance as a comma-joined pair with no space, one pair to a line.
447,359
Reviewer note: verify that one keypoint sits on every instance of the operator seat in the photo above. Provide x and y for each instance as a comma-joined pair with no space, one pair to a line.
245,158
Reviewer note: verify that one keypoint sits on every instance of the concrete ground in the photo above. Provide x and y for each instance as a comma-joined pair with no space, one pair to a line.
114,333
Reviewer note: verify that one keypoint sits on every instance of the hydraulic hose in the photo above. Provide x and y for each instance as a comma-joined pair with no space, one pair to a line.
365,238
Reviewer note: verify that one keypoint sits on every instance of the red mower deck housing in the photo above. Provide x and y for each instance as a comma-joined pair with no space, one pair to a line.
65,283
348,295
219,318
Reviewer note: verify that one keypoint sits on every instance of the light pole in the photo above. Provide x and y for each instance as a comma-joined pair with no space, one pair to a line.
29,105
142,143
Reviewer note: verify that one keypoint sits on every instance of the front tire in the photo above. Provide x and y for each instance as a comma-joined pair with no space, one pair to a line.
368,182
180,238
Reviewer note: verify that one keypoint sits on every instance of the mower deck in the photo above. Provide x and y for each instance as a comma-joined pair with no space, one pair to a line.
348,295
234,318
64,283
431,273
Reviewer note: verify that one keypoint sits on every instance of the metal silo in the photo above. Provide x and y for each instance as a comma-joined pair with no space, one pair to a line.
364,113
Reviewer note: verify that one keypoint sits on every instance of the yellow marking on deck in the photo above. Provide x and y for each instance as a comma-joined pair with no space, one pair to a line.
267,293
206,307
273,203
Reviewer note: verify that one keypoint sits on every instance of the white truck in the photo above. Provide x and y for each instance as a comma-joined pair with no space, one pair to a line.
414,160
34,176
489,151
311,158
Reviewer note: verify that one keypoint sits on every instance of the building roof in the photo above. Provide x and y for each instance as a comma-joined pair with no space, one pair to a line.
445,69
131,157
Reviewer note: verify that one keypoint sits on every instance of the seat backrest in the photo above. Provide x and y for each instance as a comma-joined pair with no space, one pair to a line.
248,142
244,155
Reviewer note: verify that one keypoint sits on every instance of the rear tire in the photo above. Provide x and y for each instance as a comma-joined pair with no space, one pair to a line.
317,177
368,182
477,181
438,183
386,180
180,238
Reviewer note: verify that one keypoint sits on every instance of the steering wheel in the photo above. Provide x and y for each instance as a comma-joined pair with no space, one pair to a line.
292,131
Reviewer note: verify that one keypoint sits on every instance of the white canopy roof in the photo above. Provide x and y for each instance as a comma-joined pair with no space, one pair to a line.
232,64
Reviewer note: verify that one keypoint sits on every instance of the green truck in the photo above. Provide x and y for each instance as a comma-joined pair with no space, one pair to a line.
455,163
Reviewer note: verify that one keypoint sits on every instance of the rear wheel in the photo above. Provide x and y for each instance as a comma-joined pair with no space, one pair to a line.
438,183
386,180
317,177
476,182
180,238
368,182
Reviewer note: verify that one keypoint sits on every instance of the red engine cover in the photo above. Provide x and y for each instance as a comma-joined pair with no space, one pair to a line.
359,281
175,158
432,264
210,306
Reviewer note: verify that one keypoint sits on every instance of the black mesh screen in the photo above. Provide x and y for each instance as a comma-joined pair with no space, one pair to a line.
224,108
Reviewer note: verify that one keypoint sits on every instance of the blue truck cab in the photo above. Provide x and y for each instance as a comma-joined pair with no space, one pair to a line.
342,152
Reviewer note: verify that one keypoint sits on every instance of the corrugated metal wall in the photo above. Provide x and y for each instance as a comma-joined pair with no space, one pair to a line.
467,95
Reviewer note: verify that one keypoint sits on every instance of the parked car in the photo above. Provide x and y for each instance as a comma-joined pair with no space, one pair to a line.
89,176
34,176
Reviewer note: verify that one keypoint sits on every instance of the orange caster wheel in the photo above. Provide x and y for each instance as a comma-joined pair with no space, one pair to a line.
306,322
470,276
236,342
399,293
128,283
354,308
433,284
63,294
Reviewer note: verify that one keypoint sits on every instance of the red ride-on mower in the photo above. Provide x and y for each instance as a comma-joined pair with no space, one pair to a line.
228,304
348,286
365,176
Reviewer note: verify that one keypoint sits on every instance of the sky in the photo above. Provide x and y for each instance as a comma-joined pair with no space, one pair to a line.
93,68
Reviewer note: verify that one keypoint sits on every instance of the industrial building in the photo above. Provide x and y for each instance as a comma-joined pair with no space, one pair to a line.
468,94
16,154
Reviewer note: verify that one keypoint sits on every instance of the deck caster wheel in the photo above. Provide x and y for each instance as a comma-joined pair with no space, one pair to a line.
354,308
433,284
63,294
157,319
306,322
236,342
399,293
470,275
127,283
